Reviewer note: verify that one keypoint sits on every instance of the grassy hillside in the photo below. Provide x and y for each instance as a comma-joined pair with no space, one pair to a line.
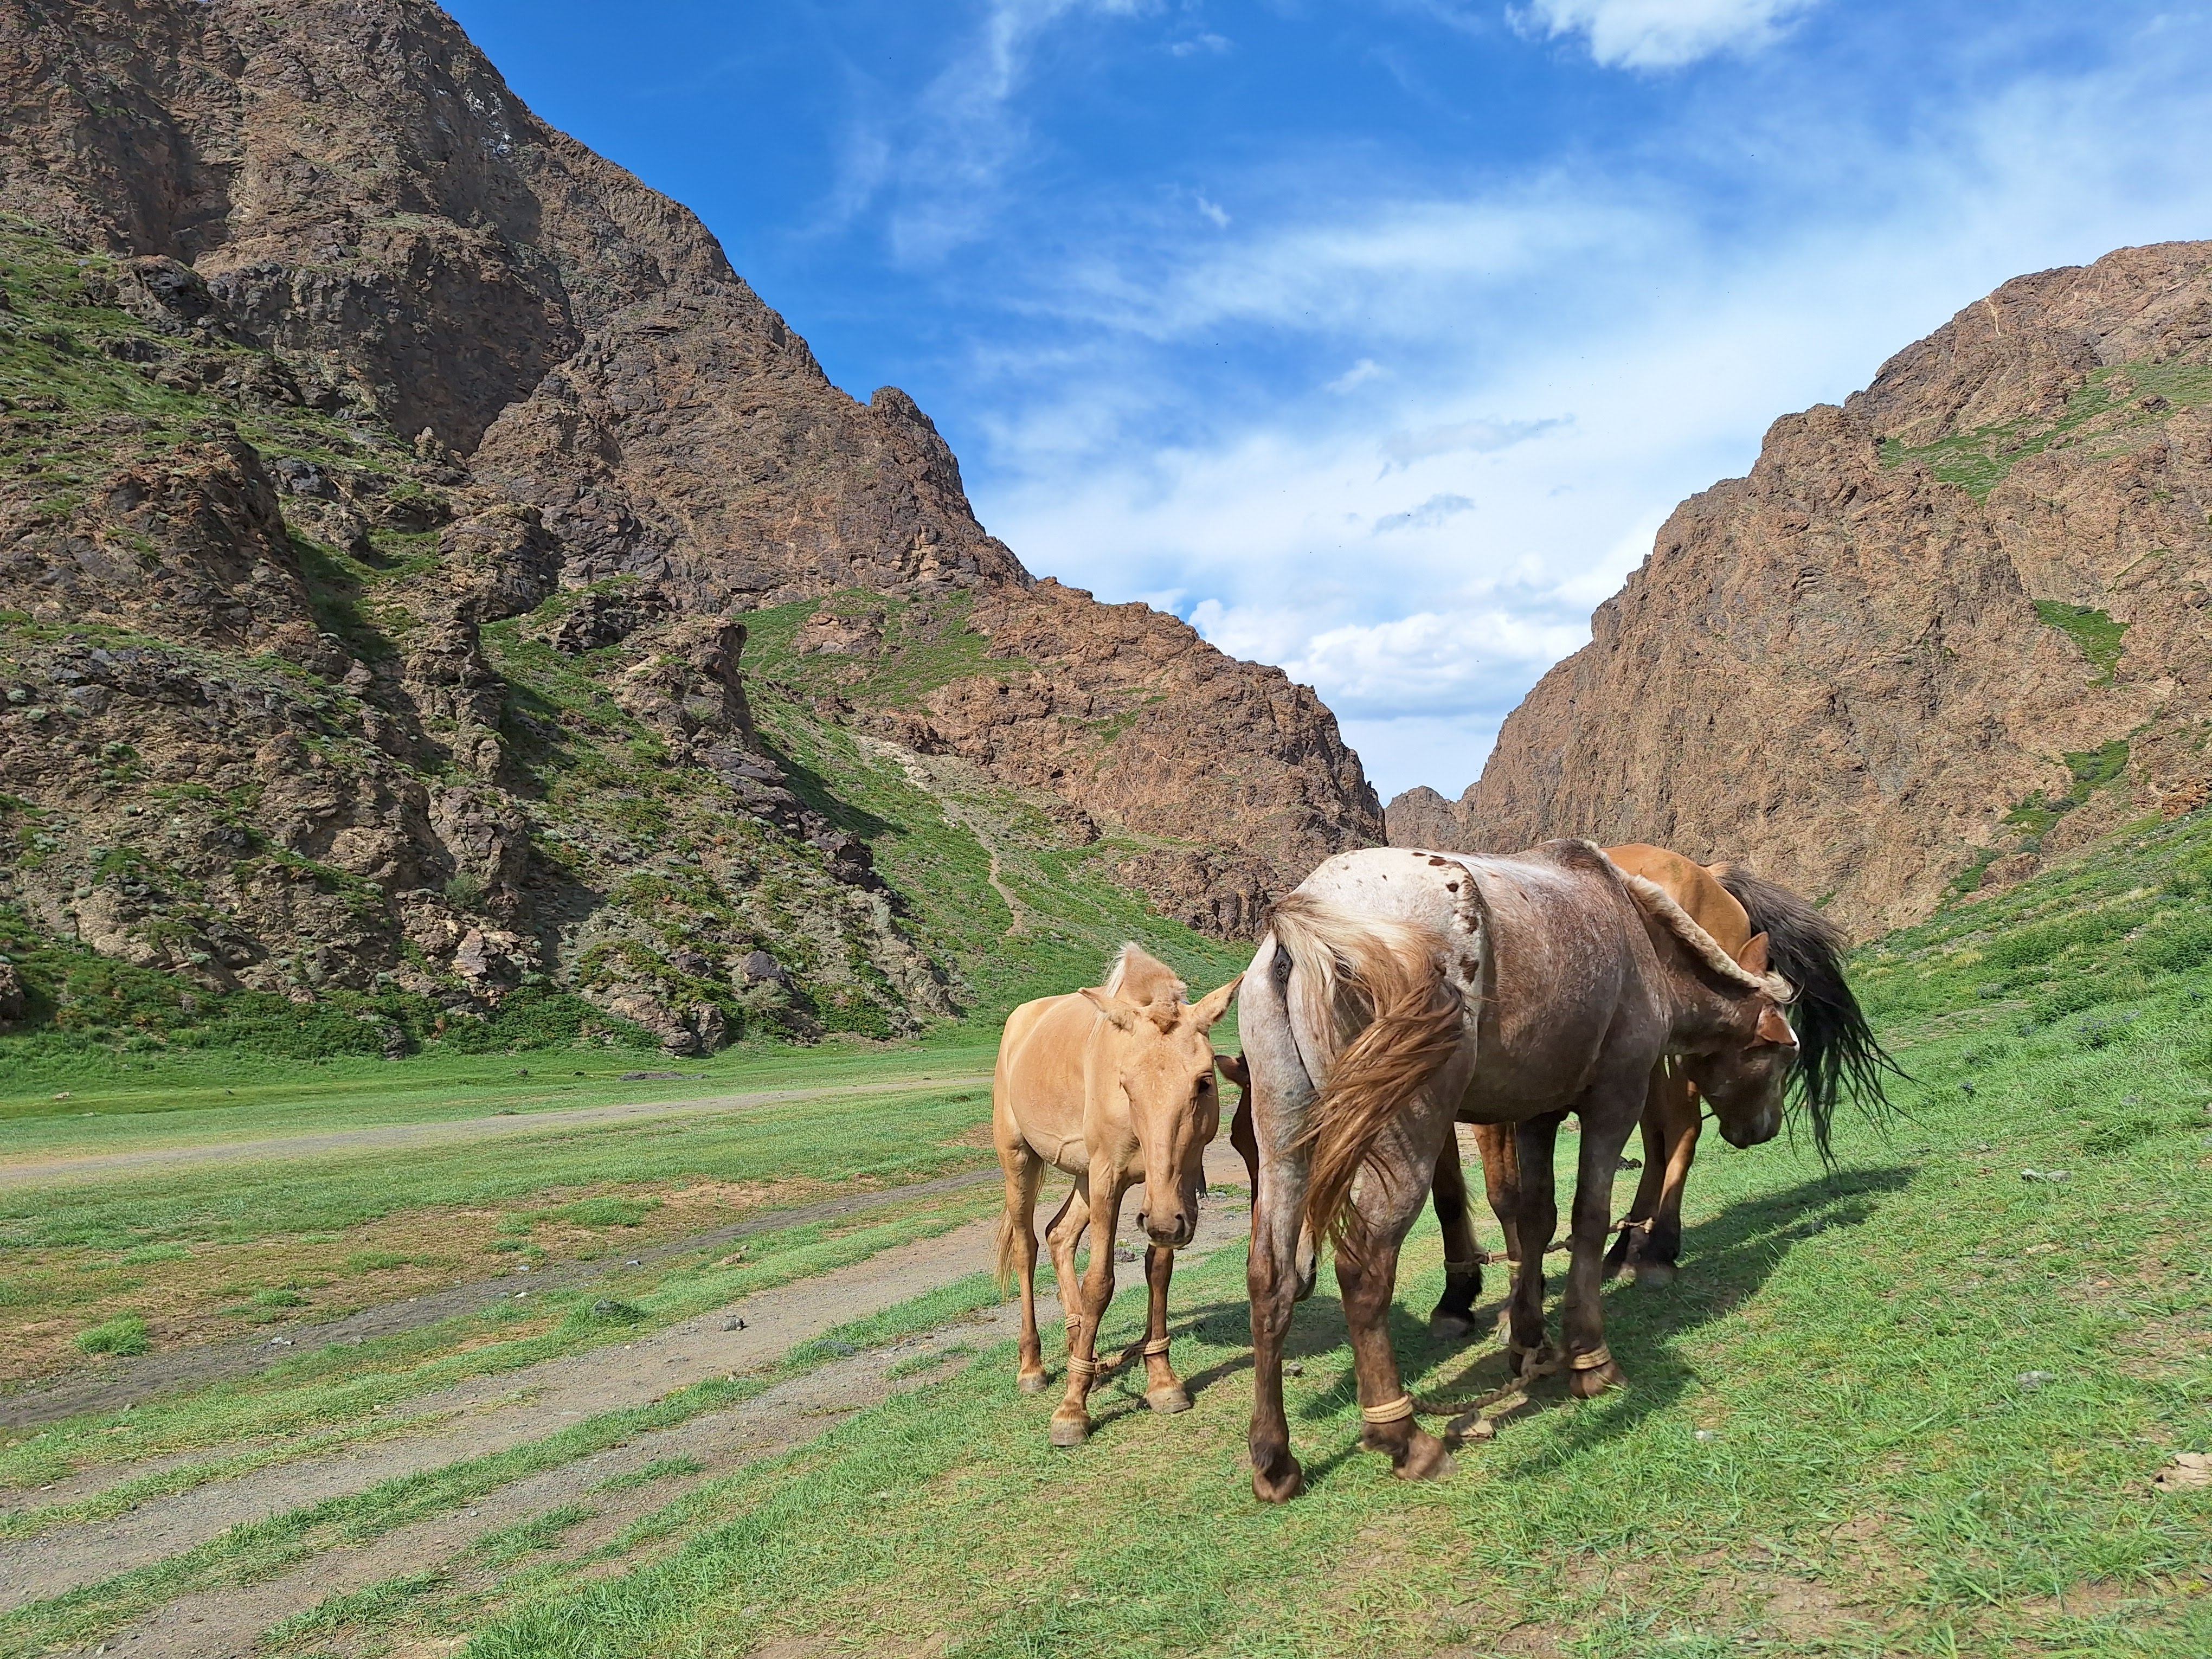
644,875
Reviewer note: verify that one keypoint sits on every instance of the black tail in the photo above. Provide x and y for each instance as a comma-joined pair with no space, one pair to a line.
1837,1053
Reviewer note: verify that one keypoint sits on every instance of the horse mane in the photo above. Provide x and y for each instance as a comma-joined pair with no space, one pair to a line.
1656,902
1138,976
1837,1051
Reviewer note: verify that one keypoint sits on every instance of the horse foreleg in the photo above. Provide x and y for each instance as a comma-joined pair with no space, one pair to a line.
1535,1218
1164,1390
1453,1319
1062,1238
1070,1421
1390,1198
1606,1117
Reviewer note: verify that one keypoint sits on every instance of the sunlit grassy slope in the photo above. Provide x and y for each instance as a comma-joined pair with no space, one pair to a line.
1917,1406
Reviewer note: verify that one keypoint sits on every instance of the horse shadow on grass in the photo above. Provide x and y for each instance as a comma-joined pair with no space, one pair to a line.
1726,1258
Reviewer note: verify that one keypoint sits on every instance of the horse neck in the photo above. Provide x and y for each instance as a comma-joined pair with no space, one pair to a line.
1700,1012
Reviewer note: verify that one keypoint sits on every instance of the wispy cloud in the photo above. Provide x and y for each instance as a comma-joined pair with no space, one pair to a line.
1357,375
1427,516
1485,437
1653,34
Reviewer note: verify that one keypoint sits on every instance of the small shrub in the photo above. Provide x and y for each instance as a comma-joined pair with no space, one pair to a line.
607,1310
466,891
123,1334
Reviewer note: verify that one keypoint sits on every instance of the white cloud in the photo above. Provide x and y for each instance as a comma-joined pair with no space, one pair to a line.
1662,34
1120,454
1358,374
1213,211
1197,43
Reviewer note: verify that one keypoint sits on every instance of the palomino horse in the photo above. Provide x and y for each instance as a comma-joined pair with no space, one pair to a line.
1837,1055
1397,991
1113,1086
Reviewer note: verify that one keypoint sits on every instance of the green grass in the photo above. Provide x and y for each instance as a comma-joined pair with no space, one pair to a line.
2100,417
1912,1407
125,1333
2094,631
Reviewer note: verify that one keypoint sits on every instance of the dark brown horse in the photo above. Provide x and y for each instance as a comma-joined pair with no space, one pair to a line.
1838,1056
1398,991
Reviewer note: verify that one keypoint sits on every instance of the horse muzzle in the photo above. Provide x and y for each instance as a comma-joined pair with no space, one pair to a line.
1173,1235
1756,1132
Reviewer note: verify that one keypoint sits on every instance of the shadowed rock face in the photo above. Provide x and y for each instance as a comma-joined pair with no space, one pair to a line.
338,208
1866,668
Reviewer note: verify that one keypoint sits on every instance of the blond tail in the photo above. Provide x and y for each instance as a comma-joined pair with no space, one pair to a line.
1375,1001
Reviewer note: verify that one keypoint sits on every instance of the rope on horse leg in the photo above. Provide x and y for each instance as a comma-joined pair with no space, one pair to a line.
1158,1344
1396,1412
1601,1355
1081,1370
1479,1258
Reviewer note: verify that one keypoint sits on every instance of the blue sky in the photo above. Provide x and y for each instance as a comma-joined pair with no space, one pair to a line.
1377,337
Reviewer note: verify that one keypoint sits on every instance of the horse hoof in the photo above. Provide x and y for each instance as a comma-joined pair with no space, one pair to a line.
1588,1384
1425,1459
1656,1275
1070,1431
1169,1401
1450,1327
1279,1483
1034,1382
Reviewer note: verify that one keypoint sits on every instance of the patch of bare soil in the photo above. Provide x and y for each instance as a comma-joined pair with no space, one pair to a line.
220,1354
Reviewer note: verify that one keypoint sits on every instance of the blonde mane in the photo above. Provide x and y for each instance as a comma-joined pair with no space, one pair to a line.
1140,977
1655,901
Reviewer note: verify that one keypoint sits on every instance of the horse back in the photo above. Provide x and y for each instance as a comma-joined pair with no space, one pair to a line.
1570,978
1043,1078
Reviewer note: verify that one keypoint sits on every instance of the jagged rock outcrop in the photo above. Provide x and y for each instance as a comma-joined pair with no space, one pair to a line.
1935,637
456,391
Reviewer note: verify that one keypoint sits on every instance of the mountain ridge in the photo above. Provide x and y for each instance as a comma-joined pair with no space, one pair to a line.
391,485
1936,638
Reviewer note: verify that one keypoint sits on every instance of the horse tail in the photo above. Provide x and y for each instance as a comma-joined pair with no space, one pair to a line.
1382,1020
1837,1054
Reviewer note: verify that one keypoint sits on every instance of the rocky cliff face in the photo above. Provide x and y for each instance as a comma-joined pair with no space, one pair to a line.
388,480
1936,638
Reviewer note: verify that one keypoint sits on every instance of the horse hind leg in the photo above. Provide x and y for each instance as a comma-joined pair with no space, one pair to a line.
1388,1200
1655,1248
1453,1319
1164,1389
1017,1253
1658,1123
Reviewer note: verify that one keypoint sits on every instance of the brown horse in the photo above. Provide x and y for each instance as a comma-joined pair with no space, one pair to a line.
1113,1086
1397,991
1837,1055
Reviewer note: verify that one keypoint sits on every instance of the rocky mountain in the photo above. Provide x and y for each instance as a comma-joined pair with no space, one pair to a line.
1937,637
388,486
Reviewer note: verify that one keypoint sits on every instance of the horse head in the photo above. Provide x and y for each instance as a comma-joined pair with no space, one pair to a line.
1746,1076
1167,1066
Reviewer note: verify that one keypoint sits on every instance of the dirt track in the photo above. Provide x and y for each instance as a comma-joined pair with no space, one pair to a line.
488,1414
456,1131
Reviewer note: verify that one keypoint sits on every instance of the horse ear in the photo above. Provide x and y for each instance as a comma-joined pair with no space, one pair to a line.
1773,1028
1120,1013
1214,1004
1753,957
1233,1068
